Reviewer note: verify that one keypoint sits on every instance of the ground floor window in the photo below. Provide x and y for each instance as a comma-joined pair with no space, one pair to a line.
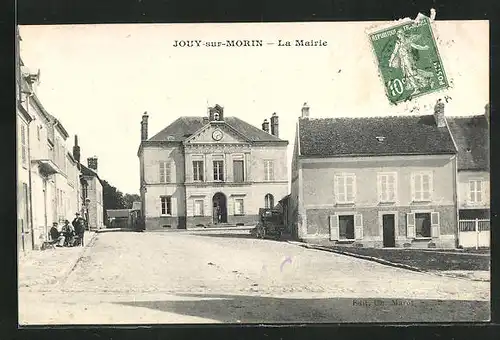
166,205
198,207
346,227
269,201
238,206
423,225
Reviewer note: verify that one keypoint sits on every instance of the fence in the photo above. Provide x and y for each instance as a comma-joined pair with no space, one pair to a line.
474,233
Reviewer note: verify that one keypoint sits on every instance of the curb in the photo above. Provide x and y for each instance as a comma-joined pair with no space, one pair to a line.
66,272
385,262
366,257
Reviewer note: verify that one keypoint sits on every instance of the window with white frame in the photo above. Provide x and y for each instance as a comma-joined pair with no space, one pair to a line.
24,146
422,186
476,191
345,188
422,224
347,227
239,206
165,172
198,170
198,207
166,205
268,170
218,170
387,186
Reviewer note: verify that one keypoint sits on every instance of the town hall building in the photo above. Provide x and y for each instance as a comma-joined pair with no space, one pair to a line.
210,171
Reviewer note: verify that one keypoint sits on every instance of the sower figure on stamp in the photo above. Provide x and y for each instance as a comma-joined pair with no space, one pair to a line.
402,57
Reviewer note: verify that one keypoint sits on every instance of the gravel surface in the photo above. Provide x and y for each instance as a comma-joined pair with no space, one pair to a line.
216,277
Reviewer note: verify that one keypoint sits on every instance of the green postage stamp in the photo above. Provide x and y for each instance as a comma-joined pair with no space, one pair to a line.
408,60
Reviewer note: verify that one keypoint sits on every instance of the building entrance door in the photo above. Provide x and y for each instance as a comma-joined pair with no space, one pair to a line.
219,208
388,224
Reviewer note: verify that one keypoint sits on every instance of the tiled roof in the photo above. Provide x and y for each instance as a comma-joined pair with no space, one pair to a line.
471,135
330,137
183,127
86,171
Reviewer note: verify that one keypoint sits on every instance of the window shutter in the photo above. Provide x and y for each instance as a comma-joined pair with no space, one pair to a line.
168,172
410,225
412,183
358,226
353,194
336,187
162,172
485,194
379,188
173,206
334,227
394,179
435,232
431,187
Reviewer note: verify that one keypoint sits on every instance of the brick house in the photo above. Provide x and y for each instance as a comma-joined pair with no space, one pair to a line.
375,182
212,170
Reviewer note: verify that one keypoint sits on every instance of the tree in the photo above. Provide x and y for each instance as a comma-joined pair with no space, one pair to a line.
129,199
112,197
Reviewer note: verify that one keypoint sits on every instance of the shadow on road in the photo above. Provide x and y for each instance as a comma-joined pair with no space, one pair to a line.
256,309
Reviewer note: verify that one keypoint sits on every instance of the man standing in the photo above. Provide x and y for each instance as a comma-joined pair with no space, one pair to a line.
79,226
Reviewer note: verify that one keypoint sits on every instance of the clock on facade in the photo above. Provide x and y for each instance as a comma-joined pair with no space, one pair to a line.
217,135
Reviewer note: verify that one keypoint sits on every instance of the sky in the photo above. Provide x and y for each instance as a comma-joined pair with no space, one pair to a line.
98,80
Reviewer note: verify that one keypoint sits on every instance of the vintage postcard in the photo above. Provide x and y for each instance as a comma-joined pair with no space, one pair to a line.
254,173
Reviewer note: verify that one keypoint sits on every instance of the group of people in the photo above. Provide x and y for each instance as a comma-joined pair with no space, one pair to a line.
70,235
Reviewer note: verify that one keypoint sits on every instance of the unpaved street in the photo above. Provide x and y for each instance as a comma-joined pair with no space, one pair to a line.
178,277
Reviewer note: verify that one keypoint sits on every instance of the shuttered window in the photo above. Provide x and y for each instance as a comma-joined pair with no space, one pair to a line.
218,170
166,205
165,172
387,187
268,170
422,186
345,188
475,191
238,206
423,225
198,171
238,171
198,207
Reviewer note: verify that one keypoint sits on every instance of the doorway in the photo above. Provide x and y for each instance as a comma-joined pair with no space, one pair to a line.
219,208
388,226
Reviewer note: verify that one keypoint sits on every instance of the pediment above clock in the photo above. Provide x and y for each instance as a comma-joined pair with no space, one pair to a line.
216,133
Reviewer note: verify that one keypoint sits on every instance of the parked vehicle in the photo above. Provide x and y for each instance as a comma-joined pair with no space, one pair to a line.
269,225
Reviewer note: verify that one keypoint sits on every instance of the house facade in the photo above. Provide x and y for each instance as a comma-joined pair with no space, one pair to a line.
209,171
471,135
92,195
375,182
23,120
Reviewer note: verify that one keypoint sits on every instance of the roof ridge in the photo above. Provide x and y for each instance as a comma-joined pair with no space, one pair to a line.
369,117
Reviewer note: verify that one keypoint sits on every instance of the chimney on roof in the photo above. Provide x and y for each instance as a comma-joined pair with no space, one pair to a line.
205,120
92,163
487,112
439,113
274,125
76,150
144,126
305,111
265,126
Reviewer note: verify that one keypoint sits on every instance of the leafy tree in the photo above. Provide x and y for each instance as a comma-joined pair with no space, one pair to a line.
129,199
112,197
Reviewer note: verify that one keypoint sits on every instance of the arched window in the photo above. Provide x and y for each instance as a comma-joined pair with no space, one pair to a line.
269,201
